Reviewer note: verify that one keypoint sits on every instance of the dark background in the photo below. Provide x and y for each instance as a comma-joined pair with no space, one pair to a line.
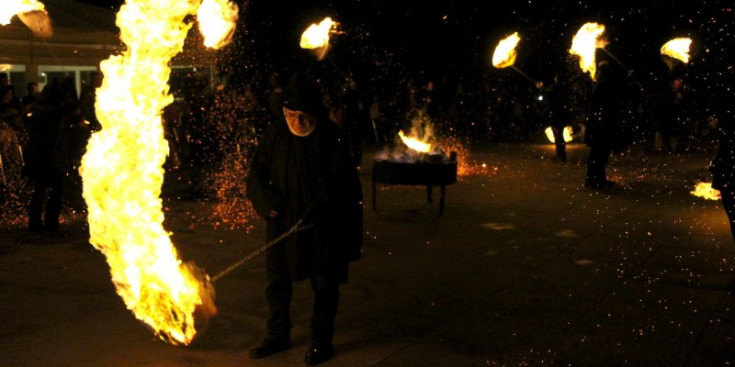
385,44
455,39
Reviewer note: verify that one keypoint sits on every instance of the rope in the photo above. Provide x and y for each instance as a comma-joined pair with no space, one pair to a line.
297,227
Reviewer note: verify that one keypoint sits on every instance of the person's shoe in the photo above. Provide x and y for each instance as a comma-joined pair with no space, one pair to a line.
318,354
268,347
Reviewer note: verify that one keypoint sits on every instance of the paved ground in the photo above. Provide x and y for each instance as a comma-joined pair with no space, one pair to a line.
525,267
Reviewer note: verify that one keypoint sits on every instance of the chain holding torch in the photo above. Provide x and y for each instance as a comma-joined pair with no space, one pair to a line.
297,227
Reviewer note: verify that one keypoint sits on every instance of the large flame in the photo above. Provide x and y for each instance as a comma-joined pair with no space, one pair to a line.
705,190
677,48
566,133
505,52
122,174
585,42
11,8
217,20
414,143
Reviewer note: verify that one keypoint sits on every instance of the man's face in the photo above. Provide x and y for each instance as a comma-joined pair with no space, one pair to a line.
299,122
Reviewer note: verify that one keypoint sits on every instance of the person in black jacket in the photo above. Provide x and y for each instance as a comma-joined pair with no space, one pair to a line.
604,132
723,165
45,162
303,170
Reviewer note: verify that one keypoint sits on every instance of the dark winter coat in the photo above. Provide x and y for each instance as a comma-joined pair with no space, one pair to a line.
311,177
723,164
605,126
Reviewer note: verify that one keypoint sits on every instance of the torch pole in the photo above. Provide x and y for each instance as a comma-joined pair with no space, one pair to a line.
616,59
20,151
524,74
334,64
2,171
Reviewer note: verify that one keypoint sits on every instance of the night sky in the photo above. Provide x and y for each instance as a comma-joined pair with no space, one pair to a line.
431,40
460,33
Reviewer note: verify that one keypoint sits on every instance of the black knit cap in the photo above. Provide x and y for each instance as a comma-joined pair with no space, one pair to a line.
303,94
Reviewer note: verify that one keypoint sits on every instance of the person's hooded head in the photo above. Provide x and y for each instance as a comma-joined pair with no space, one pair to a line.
302,104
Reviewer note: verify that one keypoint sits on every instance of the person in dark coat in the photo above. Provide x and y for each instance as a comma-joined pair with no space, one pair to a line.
44,163
604,133
554,109
723,164
671,119
303,170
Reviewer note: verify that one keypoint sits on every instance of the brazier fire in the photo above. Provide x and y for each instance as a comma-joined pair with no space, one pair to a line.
435,169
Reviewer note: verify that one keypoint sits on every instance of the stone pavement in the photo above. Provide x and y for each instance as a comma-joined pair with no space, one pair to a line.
526,267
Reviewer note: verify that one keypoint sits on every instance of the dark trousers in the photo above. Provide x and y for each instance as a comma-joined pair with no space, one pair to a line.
596,162
728,201
561,145
326,298
47,187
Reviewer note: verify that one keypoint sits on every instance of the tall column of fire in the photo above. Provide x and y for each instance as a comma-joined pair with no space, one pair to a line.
122,170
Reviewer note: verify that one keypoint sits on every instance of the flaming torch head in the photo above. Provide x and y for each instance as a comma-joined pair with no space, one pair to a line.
584,44
505,52
677,48
217,20
31,12
316,37
12,8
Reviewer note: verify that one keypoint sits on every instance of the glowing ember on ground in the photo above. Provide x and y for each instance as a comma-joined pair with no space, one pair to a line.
11,8
505,53
585,42
677,48
705,190
567,133
123,173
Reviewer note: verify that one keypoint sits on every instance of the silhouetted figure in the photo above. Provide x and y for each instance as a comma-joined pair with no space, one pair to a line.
28,101
671,119
11,112
45,157
604,132
723,164
87,99
555,109
303,170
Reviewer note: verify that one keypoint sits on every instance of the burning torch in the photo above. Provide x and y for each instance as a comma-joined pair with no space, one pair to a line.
316,37
505,55
31,12
588,39
676,49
